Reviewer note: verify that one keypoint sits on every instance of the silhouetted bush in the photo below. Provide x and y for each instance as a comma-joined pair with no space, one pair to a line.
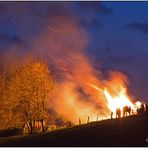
10,132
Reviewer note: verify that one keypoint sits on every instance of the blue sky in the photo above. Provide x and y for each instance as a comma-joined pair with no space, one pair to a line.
118,33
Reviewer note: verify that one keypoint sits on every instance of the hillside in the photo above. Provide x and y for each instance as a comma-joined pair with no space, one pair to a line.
129,131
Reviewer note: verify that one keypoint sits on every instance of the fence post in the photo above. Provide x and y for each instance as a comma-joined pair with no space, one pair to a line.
79,121
97,118
88,119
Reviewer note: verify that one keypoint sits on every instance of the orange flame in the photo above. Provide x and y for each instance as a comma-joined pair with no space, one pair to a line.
119,101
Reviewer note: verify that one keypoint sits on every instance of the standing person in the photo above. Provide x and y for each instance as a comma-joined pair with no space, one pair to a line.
146,108
142,109
129,110
124,111
118,113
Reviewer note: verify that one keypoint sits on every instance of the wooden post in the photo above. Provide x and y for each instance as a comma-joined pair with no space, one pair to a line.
88,119
97,118
79,121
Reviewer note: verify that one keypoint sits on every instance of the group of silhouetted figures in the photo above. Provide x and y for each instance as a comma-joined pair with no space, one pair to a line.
126,111
143,109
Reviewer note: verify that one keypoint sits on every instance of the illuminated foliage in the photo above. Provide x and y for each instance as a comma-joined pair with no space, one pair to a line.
25,98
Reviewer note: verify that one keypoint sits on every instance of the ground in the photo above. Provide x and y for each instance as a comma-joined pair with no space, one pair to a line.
128,131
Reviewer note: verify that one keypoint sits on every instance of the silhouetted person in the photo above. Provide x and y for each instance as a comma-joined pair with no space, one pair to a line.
138,111
142,108
118,113
69,123
125,110
129,110
146,108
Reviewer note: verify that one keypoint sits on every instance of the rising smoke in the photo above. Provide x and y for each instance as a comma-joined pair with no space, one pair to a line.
62,44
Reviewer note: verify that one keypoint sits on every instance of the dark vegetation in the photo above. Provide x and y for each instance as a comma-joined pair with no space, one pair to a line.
10,132
128,131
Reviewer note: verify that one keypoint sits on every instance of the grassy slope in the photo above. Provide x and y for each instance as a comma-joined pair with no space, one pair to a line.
130,131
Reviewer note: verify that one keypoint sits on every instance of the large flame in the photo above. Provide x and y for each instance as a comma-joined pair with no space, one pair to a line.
138,104
119,101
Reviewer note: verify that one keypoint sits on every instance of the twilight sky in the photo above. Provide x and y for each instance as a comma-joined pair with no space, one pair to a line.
118,33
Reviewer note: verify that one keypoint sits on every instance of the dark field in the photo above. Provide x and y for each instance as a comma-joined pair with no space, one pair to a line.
129,131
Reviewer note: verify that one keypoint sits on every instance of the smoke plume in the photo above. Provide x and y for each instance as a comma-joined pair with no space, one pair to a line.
62,43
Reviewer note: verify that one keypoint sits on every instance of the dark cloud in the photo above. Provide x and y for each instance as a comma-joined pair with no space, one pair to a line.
137,26
51,9
4,37
58,10
108,49
122,59
95,6
91,24
14,7
2,8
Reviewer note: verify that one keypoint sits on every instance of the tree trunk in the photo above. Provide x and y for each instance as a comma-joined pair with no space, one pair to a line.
42,123
31,127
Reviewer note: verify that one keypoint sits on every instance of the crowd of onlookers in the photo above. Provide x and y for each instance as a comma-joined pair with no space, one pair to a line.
143,109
